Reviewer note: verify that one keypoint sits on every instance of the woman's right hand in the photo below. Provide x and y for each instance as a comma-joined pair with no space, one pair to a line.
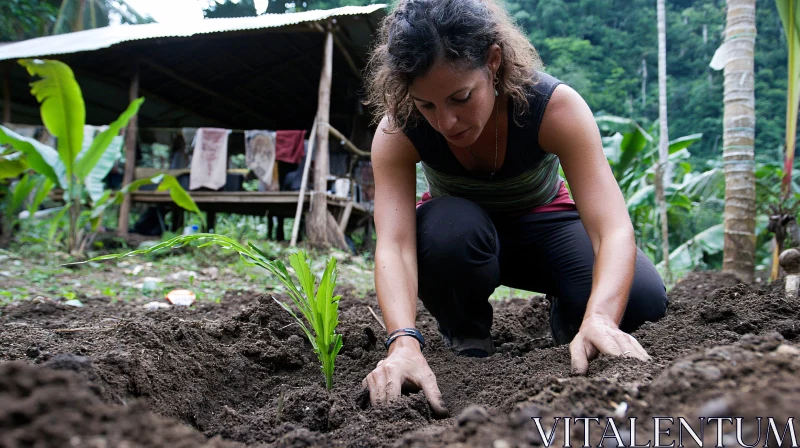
404,366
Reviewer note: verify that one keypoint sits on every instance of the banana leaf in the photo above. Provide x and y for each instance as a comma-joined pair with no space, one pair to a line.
85,164
94,180
62,108
178,194
690,254
43,188
12,165
683,142
41,158
22,189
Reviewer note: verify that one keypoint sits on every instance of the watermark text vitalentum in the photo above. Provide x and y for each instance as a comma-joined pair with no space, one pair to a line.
703,431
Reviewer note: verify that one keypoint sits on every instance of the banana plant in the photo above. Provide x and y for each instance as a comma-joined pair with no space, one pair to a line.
77,166
632,153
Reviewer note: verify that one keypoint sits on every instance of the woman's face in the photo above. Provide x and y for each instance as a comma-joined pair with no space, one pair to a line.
456,102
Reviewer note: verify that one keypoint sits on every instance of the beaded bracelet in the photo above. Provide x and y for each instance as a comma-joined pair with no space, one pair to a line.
413,332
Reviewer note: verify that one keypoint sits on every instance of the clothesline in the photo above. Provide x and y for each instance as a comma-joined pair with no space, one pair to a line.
233,131
336,133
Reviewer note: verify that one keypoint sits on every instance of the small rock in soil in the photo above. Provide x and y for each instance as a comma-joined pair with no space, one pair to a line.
152,306
295,341
211,272
717,407
500,443
786,349
473,413
182,276
524,415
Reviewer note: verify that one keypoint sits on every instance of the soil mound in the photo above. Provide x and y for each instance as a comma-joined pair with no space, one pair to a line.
45,407
242,371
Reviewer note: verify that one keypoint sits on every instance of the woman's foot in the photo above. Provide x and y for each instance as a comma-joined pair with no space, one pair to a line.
469,347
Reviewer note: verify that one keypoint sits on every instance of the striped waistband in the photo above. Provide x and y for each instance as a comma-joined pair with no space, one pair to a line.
535,187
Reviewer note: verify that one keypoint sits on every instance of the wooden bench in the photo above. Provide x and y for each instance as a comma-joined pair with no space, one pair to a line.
349,214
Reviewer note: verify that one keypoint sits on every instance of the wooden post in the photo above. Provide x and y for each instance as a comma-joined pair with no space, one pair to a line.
130,155
318,217
303,183
345,219
6,95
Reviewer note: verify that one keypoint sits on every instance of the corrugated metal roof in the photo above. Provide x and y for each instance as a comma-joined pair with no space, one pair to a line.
99,38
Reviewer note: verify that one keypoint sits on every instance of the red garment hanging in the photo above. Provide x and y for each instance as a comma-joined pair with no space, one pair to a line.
289,146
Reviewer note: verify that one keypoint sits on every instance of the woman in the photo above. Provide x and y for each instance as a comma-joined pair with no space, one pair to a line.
459,88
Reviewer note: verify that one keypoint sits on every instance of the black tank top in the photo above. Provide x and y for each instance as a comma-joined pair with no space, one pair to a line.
529,175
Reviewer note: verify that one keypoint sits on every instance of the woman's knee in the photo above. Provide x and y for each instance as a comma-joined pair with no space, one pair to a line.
648,299
454,230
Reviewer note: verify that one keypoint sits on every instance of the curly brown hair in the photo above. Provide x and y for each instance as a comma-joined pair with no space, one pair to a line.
418,33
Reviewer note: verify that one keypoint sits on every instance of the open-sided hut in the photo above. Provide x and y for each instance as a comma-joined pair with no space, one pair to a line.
276,71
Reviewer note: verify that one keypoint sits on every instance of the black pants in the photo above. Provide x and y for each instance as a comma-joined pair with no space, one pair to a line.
463,255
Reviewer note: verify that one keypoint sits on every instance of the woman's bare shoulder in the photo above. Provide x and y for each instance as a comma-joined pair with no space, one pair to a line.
392,146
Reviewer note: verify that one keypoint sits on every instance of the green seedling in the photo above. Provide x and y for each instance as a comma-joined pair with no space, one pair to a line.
318,306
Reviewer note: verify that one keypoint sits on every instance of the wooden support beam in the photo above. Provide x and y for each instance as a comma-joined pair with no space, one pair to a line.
303,183
345,218
6,94
345,54
130,154
348,58
189,83
343,49
317,225
348,145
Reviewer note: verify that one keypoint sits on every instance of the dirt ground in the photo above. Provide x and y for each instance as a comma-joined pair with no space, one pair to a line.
240,373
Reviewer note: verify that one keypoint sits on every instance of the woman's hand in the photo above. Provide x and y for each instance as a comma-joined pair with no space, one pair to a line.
600,334
404,366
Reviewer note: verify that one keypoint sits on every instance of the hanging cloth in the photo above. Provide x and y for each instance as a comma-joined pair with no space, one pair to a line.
209,160
260,155
289,146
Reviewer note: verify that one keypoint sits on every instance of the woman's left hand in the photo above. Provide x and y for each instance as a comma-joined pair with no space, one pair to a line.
600,334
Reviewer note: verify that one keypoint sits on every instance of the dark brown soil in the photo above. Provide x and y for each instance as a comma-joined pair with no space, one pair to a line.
242,374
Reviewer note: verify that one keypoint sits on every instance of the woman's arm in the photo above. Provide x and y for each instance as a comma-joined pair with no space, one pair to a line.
568,129
393,164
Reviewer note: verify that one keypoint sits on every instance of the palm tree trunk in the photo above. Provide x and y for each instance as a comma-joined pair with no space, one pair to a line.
663,141
739,121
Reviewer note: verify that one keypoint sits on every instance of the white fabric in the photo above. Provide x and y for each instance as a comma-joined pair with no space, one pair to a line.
209,160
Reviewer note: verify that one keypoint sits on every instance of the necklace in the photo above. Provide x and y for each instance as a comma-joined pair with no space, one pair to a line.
494,170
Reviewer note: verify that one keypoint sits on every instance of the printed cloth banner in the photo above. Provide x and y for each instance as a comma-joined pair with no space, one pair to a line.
210,159
260,155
